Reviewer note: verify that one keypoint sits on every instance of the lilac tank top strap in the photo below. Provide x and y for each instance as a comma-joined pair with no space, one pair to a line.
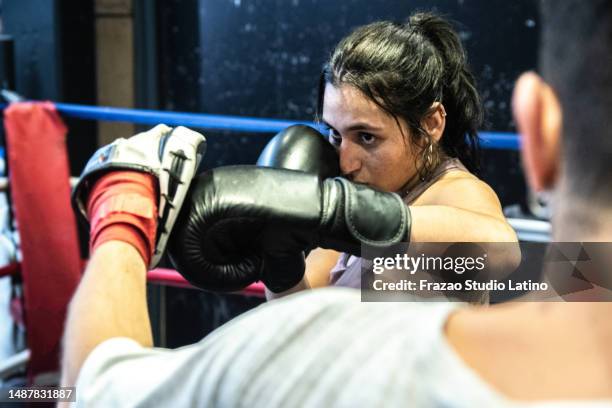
444,167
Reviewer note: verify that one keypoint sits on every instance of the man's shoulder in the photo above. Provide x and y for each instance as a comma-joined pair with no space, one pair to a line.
336,305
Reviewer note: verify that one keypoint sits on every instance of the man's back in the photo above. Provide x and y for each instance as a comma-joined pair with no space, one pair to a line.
538,351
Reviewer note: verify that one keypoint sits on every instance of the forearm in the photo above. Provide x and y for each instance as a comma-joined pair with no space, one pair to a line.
433,223
448,224
109,302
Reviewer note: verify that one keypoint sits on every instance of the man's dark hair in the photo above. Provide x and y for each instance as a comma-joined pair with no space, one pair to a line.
404,68
576,60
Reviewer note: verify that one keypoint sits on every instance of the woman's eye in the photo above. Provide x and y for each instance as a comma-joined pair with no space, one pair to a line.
367,138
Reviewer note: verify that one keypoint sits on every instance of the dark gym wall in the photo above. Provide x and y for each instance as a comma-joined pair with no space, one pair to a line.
262,58
54,60
36,34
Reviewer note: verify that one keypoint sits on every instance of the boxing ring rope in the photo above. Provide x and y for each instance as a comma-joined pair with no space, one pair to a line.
531,230
490,140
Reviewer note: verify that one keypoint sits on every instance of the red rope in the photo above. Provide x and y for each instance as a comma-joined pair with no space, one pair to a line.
171,277
10,269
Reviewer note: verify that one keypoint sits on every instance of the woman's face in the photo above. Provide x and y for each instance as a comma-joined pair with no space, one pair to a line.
372,148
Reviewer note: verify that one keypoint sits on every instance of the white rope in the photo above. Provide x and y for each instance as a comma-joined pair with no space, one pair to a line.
4,183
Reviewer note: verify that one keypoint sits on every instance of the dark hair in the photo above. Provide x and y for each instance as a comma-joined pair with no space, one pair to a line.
576,60
405,68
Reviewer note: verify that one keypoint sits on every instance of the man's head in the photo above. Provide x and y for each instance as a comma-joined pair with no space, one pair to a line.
565,116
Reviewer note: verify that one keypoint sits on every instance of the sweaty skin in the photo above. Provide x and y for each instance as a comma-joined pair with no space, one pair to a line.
373,149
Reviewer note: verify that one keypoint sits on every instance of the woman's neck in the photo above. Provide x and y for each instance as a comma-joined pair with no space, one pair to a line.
418,178
412,182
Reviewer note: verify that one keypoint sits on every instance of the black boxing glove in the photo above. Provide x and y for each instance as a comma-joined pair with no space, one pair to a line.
233,215
302,148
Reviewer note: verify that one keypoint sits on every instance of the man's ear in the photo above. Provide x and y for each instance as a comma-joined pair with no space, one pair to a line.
538,117
435,121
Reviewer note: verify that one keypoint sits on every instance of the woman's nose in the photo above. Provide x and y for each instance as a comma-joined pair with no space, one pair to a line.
350,161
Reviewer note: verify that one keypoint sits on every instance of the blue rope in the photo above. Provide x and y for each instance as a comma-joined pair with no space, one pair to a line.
499,140
197,120
489,140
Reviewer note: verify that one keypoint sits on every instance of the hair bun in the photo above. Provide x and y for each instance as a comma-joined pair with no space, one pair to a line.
443,37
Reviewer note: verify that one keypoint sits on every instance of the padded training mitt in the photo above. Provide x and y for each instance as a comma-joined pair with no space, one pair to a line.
171,155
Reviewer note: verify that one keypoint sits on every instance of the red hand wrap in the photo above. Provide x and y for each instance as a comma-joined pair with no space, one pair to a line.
122,206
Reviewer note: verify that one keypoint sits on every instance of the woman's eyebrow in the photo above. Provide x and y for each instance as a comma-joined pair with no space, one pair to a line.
355,126
362,126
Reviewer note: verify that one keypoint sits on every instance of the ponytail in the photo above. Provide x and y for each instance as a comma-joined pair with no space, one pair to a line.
459,94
